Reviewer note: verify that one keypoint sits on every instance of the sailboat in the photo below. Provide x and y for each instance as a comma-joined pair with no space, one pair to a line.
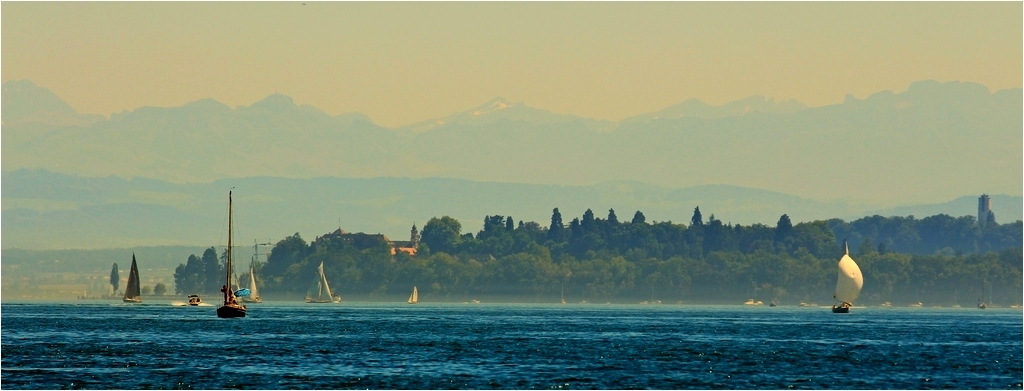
981,301
563,293
132,293
322,290
848,283
254,295
414,298
230,308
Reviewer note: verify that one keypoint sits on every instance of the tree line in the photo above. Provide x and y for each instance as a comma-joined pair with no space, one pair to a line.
937,259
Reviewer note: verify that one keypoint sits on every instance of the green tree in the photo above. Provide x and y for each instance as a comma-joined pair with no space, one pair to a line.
115,278
442,234
697,220
556,231
587,224
146,290
160,289
638,218
783,228
189,278
213,273
286,253
612,218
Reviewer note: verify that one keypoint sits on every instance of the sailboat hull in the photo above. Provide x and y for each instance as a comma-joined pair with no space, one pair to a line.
231,311
132,300
840,310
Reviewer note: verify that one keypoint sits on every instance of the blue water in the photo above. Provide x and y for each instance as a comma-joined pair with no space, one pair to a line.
442,346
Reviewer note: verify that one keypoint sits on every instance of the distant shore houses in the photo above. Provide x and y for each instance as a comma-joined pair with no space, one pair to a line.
362,240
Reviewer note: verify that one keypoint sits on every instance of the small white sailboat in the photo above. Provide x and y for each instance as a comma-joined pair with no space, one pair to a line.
849,282
132,293
414,298
320,292
254,294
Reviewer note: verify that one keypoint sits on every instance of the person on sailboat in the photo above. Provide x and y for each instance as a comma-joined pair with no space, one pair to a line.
228,294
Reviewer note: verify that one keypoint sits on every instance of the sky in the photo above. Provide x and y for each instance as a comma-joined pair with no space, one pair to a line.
402,63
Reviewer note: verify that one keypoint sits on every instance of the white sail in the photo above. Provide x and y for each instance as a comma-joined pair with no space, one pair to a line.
850,279
414,297
324,288
255,294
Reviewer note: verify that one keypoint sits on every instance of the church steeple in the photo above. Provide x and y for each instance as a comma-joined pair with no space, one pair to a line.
414,237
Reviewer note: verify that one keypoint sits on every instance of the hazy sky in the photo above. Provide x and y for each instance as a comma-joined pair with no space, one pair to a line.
401,63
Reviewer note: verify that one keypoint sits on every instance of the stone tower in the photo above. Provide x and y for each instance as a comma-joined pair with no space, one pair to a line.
984,207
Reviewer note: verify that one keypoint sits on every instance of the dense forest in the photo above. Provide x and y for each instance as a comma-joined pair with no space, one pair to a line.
939,260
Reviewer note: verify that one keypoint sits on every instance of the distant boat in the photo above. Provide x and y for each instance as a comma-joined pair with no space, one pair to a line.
753,302
981,301
414,298
887,304
254,294
773,304
230,308
194,300
320,292
848,283
132,293
918,304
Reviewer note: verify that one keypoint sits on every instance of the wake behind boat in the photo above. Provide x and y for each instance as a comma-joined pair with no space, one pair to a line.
848,283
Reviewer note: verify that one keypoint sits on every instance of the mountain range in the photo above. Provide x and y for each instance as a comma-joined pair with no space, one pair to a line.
748,161
931,143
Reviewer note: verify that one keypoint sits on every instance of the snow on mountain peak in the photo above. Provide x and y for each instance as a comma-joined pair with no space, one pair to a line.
495,104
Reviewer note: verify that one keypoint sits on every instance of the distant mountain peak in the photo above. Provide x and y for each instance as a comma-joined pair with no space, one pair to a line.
698,109
24,101
493,105
275,101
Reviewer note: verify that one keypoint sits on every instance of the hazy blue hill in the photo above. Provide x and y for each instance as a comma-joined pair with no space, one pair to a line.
45,210
1006,208
933,142
23,101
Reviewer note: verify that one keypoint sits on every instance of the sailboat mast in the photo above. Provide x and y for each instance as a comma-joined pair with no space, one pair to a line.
227,277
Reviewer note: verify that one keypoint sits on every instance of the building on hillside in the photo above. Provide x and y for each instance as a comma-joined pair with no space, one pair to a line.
363,240
984,210
410,246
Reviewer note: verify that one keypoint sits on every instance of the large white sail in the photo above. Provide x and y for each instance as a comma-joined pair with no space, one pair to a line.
850,279
414,297
255,294
323,283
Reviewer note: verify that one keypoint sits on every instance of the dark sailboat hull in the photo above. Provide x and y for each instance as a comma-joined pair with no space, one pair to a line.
840,309
231,311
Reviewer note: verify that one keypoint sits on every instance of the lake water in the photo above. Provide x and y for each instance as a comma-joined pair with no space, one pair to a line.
103,345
